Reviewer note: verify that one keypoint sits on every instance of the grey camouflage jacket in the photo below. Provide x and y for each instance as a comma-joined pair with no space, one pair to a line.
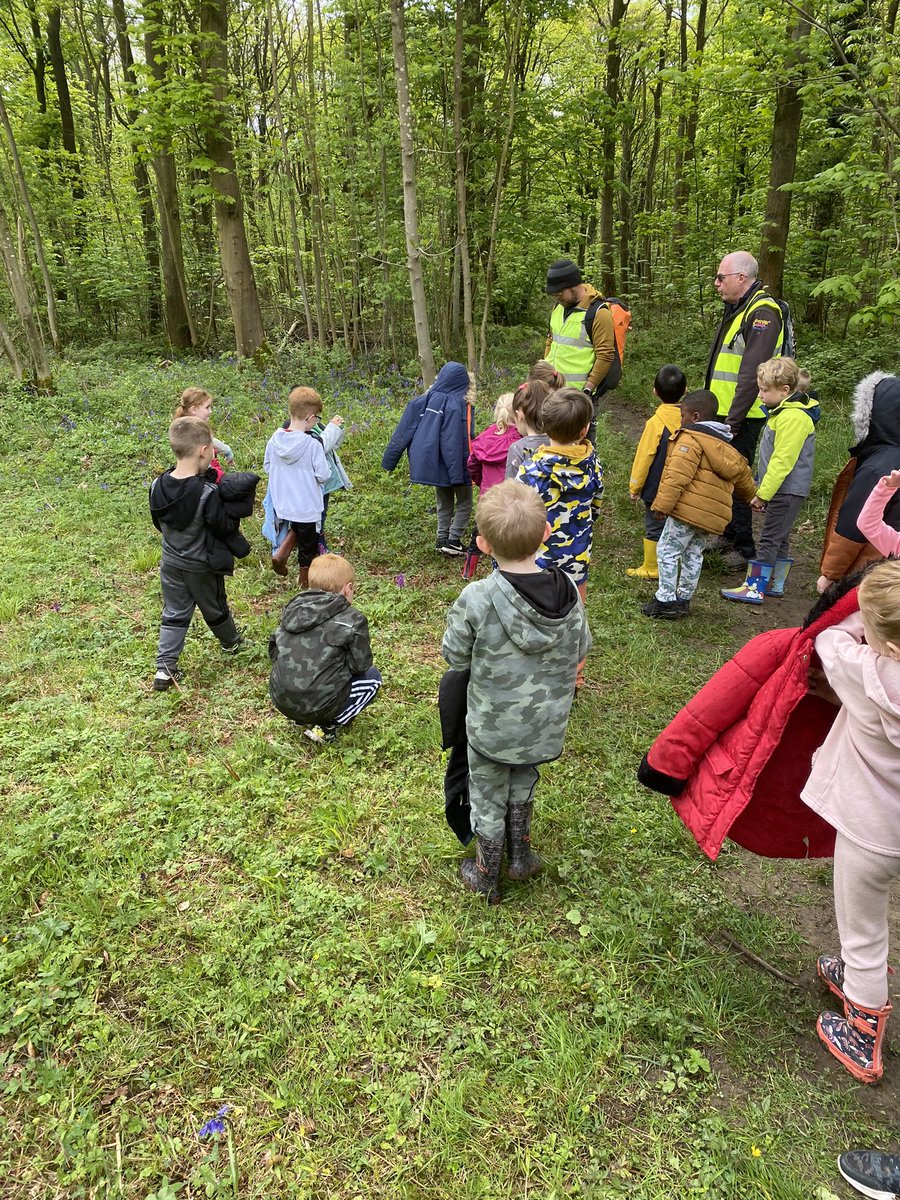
321,643
523,668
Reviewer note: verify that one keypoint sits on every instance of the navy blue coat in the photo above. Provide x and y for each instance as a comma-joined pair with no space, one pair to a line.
433,431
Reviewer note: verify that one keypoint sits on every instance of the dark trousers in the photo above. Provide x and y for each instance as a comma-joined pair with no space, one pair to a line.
740,531
183,592
307,541
781,513
653,526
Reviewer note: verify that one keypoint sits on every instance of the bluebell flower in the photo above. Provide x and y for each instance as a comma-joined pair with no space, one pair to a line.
216,1124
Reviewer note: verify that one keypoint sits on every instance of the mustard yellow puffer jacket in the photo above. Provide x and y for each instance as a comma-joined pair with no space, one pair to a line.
701,474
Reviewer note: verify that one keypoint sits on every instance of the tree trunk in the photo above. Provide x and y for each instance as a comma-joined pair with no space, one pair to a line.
18,287
461,216
33,225
8,346
785,135
608,151
687,143
410,205
234,253
67,121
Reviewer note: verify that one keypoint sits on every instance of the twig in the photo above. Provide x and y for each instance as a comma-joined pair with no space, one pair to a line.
734,944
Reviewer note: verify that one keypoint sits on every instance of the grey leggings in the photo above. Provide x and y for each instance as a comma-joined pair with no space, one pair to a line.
448,522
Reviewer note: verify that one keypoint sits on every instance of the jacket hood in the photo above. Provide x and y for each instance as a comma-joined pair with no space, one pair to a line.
310,609
493,446
566,465
292,445
452,379
881,680
530,630
797,400
876,411
590,295
713,429
175,501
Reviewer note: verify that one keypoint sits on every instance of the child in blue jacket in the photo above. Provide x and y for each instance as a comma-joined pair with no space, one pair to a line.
436,431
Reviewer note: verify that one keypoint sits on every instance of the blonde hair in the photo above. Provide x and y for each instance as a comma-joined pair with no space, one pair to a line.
804,379
545,372
189,434
191,398
778,372
330,572
504,414
512,519
303,402
879,601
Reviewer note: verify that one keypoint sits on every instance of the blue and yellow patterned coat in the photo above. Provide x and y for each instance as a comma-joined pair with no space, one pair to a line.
570,482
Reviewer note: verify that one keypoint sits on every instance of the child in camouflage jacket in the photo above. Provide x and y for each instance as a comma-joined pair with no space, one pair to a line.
521,634
322,672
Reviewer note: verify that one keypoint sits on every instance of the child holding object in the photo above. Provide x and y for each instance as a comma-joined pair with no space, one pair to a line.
855,786
650,458
520,633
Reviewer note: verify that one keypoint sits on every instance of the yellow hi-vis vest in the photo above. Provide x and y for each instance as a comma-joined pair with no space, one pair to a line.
724,379
571,351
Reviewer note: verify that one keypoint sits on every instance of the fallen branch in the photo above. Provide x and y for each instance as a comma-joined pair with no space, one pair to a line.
734,944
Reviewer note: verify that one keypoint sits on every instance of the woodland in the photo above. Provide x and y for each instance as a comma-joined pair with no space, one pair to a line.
393,180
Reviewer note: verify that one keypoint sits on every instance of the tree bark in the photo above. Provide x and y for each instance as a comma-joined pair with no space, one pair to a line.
9,349
18,287
410,203
785,136
608,152
67,121
462,227
234,253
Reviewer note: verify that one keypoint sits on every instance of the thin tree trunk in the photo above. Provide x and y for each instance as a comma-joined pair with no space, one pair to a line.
67,121
33,225
608,153
461,215
234,252
9,349
785,136
410,204
18,287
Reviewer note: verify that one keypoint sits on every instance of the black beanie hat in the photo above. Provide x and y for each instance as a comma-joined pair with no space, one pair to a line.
562,274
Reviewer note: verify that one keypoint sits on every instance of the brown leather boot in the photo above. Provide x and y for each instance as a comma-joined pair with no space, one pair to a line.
283,553
303,578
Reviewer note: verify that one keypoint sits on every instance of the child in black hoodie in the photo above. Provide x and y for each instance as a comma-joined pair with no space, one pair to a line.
200,524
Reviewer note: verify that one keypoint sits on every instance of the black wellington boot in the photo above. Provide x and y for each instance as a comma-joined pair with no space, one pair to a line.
521,862
482,873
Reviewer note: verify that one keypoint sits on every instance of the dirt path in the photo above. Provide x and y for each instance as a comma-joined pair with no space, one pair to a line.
798,893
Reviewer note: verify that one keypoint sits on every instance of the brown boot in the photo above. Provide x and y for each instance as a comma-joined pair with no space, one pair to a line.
303,578
481,874
283,553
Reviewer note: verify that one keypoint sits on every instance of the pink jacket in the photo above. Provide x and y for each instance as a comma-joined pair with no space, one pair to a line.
855,779
487,461
870,522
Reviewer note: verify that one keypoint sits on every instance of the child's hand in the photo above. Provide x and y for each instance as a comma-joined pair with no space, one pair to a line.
892,480
634,497
823,583
758,505
337,421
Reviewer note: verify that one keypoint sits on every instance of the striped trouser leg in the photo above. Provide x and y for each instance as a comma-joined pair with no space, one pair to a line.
363,690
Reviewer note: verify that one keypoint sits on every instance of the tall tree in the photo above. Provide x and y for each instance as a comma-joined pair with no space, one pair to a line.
18,287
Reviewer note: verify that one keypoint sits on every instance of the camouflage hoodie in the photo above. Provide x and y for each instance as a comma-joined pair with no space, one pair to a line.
523,663
319,646
570,482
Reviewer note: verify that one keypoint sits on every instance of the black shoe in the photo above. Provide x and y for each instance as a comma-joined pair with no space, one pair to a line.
735,561
441,541
684,608
454,548
234,647
164,679
664,610
874,1174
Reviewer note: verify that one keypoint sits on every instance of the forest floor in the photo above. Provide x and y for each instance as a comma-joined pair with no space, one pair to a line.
201,909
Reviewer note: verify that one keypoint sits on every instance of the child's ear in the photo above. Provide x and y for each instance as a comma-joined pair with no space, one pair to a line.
584,433
483,545
893,649
547,531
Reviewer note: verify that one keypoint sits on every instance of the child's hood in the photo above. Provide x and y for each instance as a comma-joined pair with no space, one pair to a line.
876,411
174,501
531,630
881,680
312,608
570,466
798,401
492,446
293,445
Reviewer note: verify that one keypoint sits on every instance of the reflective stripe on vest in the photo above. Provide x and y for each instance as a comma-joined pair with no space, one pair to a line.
571,351
727,366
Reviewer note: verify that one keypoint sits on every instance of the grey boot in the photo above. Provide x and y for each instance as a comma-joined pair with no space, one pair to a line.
521,862
481,874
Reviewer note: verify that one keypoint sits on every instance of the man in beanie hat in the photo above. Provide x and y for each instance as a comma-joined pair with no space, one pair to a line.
581,342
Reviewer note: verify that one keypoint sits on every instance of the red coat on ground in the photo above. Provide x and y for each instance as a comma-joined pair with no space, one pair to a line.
736,757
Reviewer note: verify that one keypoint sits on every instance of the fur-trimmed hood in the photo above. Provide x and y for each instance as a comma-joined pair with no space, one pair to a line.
876,411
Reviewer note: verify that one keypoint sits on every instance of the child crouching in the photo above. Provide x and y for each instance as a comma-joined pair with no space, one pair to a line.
322,672
521,634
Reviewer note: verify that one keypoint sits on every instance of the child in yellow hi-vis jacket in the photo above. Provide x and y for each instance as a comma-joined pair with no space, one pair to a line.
650,458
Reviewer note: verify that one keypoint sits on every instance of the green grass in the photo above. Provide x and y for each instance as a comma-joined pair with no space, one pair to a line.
199,907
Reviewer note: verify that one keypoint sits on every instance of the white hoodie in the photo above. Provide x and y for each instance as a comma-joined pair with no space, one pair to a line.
297,468
855,778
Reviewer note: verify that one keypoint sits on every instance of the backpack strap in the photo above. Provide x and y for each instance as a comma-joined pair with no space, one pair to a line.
592,310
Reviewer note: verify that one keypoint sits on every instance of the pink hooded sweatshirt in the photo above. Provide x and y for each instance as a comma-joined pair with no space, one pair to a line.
487,462
871,523
855,779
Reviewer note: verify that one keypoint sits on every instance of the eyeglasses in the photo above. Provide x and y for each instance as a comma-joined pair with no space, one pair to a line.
724,275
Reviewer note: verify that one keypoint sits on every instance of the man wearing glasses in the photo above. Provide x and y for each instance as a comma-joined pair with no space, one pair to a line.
750,332
581,343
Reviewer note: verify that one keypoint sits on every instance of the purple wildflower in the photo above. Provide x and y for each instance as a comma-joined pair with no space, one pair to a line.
400,580
216,1124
